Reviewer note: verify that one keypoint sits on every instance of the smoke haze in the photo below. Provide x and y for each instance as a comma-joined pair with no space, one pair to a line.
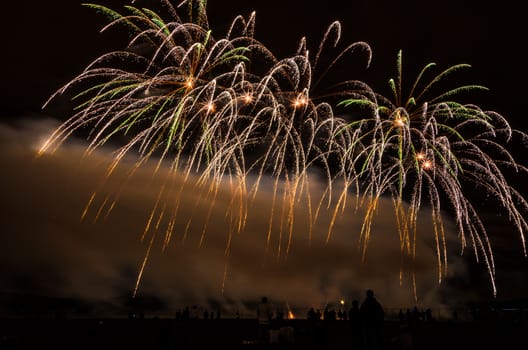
48,250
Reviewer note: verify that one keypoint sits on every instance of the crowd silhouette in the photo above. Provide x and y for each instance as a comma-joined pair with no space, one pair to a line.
362,325
270,324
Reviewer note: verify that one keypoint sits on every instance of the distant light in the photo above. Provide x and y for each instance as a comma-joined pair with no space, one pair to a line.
247,98
427,164
399,122
189,83
300,101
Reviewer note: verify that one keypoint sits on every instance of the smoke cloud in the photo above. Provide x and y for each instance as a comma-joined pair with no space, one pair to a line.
52,246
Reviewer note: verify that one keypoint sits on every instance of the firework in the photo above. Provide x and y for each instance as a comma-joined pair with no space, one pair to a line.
226,109
180,96
428,151
300,137
176,94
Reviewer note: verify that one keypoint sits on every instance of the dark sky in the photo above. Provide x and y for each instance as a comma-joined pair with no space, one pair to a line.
48,43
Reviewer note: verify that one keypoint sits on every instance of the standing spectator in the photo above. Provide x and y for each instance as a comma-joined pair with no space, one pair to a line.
401,316
354,317
372,320
195,312
311,315
264,317
353,314
428,315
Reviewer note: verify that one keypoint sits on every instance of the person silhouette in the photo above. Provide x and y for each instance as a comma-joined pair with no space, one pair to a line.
353,314
264,317
372,321
354,318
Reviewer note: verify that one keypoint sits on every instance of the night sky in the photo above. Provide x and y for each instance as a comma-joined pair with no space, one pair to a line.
47,250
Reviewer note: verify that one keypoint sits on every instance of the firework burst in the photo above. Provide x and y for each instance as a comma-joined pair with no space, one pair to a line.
180,96
298,126
219,109
176,95
427,150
